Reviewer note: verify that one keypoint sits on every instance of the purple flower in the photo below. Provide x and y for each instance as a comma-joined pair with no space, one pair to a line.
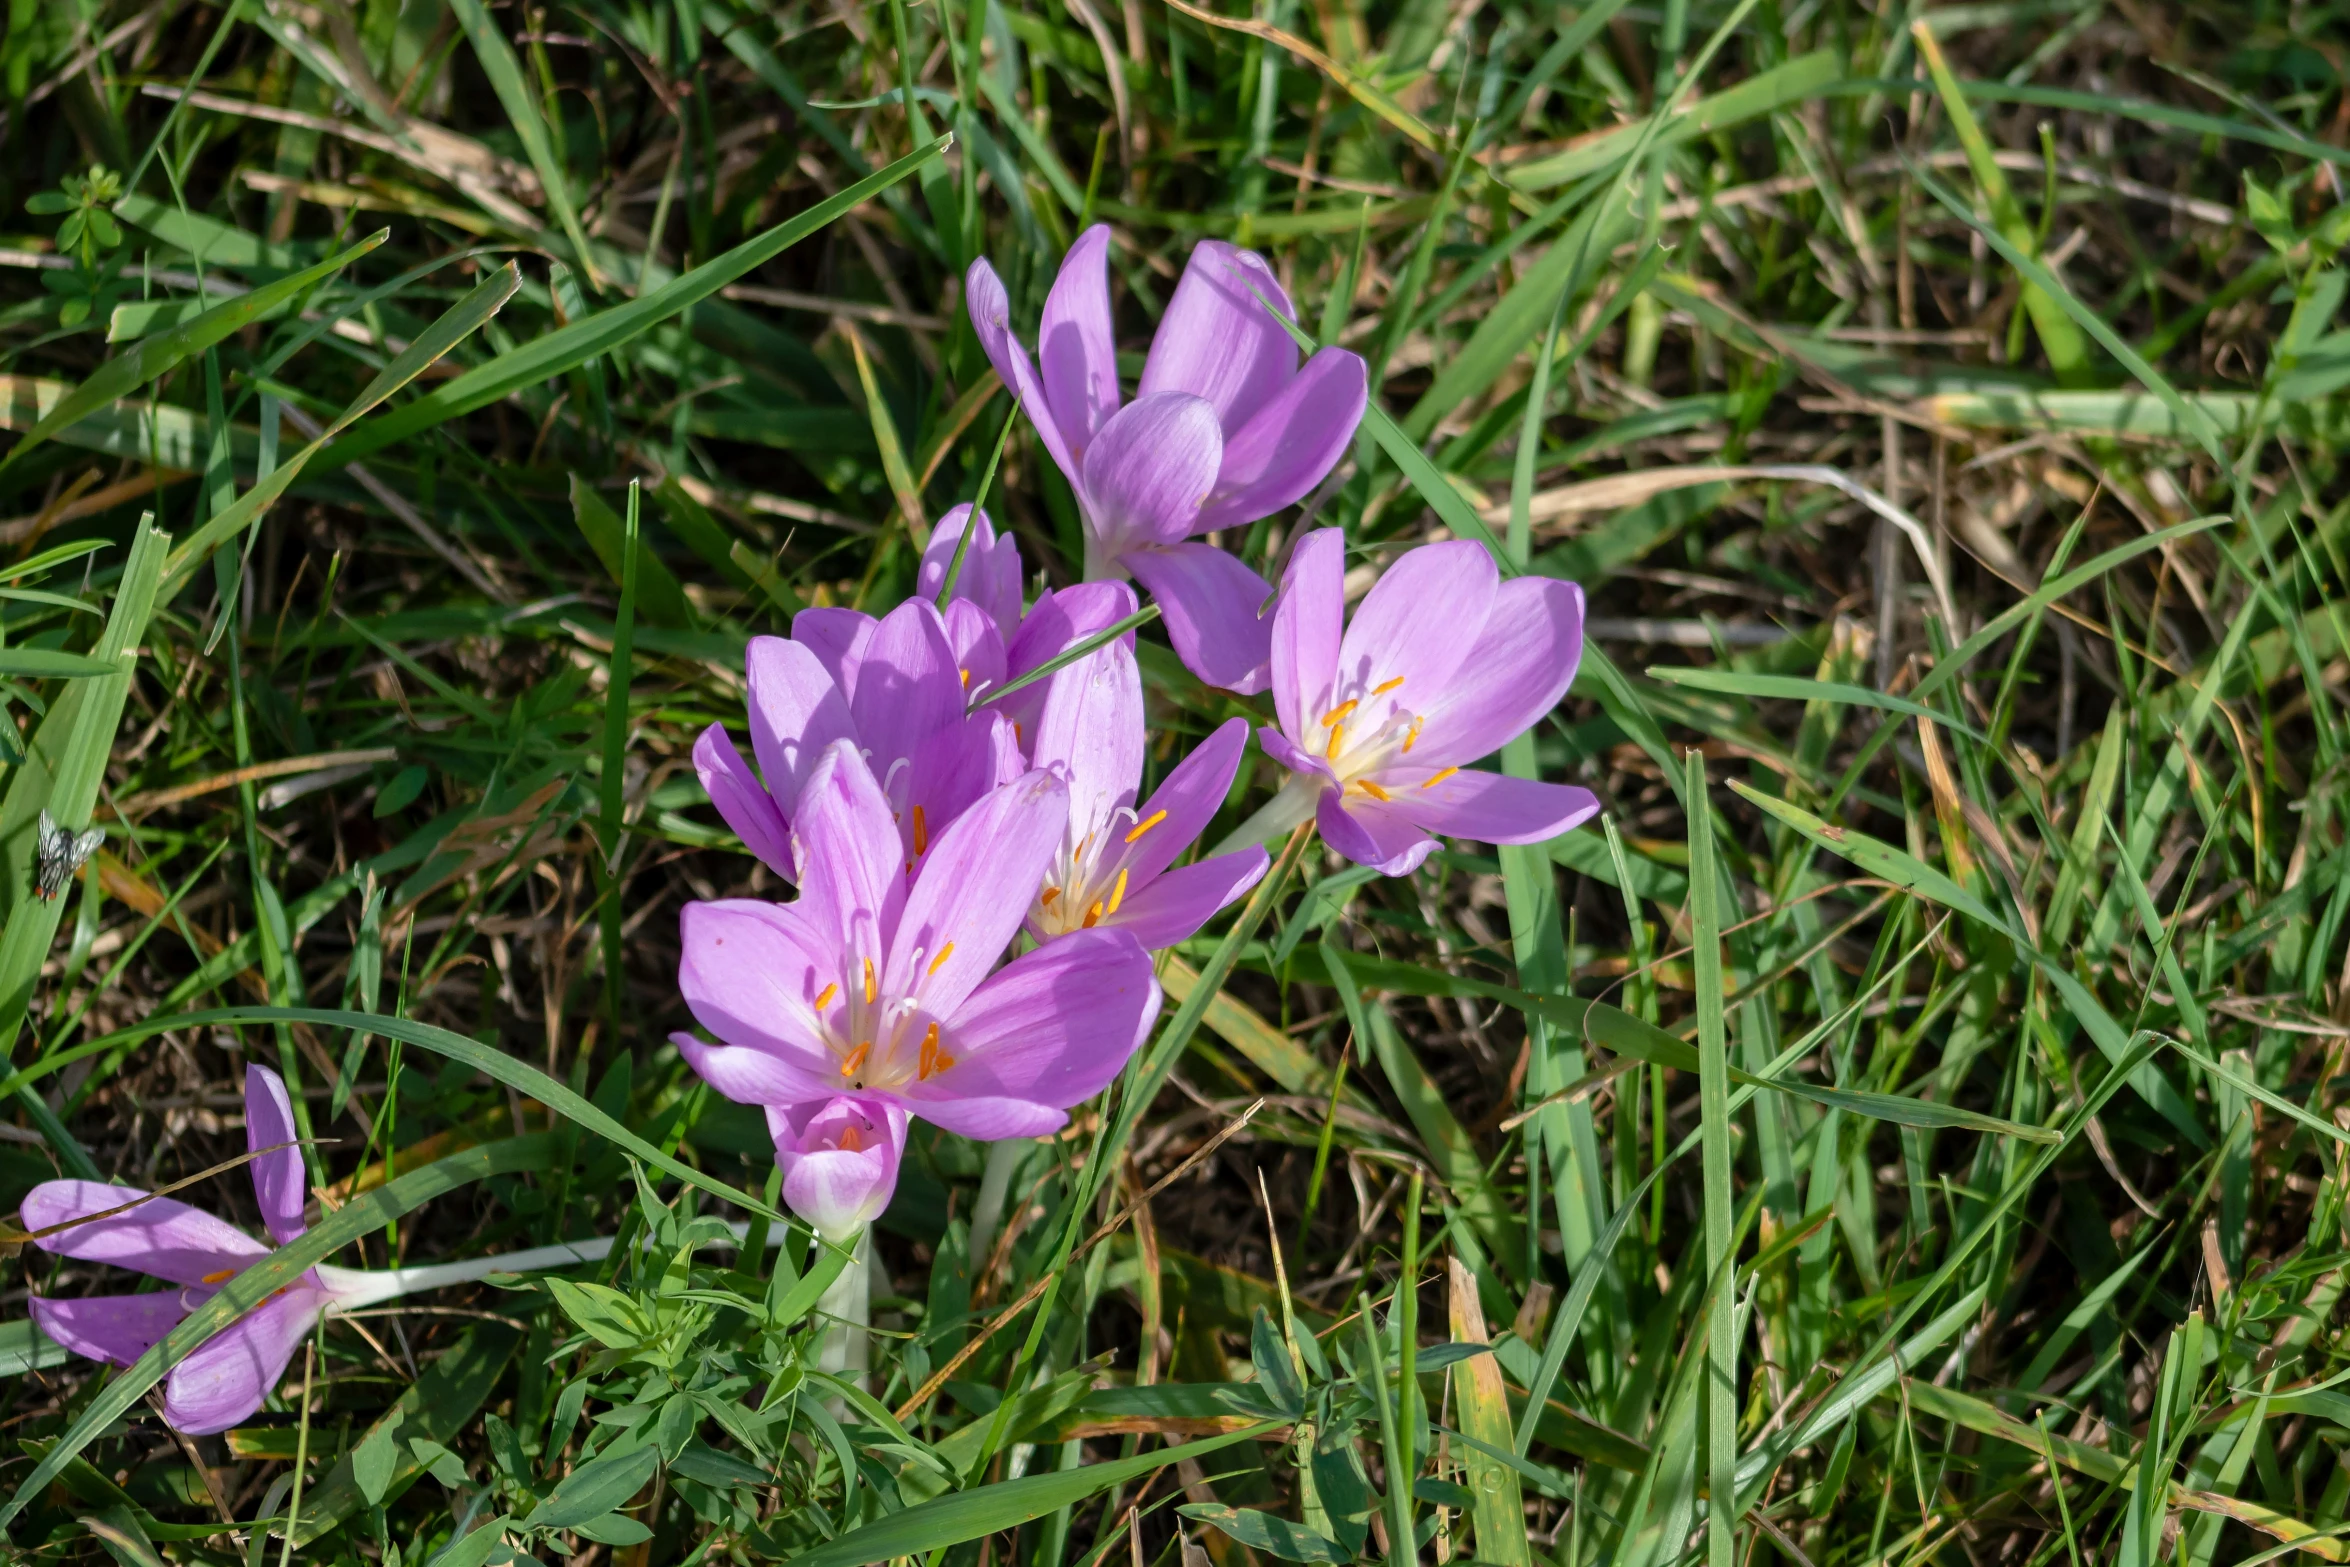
225,1379
1225,428
839,1158
1444,663
990,578
894,687
878,986
1112,868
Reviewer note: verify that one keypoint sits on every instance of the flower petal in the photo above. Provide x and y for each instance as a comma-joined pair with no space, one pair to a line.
224,1380
1216,611
987,1120
977,644
743,802
1217,340
1090,734
1290,444
1417,626
1522,666
1173,906
113,1328
952,771
1494,808
1186,800
796,709
1308,622
991,319
837,637
277,1176
847,845
1053,1028
1148,471
1372,835
1281,749
160,1238
974,890
836,1187
1076,345
907,687
751,1076
990,575
751,972
1057,622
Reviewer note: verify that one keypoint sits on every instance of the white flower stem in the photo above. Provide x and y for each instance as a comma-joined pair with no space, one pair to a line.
847,1349
1292,804
995,1189
357,1287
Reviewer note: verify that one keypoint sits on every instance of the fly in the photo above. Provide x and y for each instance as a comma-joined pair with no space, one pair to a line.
60,852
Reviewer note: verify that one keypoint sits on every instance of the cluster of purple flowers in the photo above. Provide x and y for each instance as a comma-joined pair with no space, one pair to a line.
929,828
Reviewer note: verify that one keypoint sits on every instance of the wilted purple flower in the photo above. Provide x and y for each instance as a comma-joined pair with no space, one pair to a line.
896,688
1443,663
1112,869
876,985
990,578
225,1379
839,1159
1225,428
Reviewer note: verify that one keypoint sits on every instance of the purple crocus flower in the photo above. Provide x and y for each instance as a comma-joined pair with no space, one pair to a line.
1443,663
839,1158
224,1380
1225,428
990,578
1112,868
880,987
897,688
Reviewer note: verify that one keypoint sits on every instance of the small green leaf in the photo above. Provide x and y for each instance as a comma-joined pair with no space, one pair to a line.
1261,1531
606,1315
376,1456
595,1488
615,1529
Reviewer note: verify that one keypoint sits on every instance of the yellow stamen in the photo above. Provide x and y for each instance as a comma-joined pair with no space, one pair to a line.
1337,740
1440,777
929,1053
856,1060
824,1000
1118,892
1146,824
941,1062
966,674
221,1277
1338,714
1081,843
1382,690
1093,915
921,832
1372,789
1412,738
940,961
1048,895
870,992
852,1140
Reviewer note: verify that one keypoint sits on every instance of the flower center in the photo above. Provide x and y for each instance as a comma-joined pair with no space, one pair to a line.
1366,730
1087,881
879,1040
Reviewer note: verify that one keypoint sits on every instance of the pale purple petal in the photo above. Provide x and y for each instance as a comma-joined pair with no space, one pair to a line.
840,1160
1493,808
224,1380
950,772
743,802
973,892
1175,904
846,842
1217,340
1090,734
1414,630
1308,622
985,1120
1053,1028
1279,747
160,1238
991,319
1518,671
751,1076
1057,622
1190,796
751,973
114,1328
1289,445
1218,612
1372,835
1147,473
277,1176
1076,345
907,686
837,637
977,644
796,709
990,577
